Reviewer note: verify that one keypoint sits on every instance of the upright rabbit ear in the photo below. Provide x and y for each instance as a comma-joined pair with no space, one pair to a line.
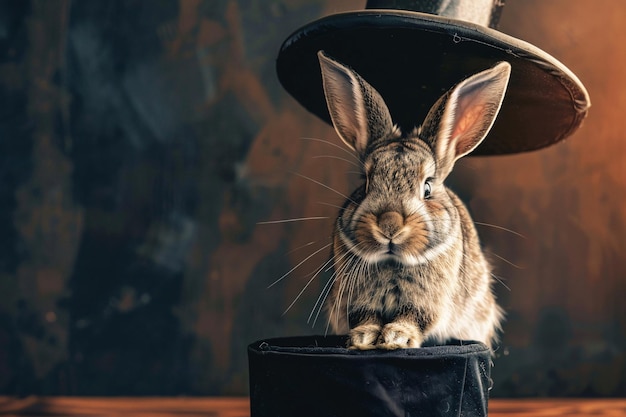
461,119
358,112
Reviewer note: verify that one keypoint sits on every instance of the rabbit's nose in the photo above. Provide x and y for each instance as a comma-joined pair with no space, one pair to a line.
390,223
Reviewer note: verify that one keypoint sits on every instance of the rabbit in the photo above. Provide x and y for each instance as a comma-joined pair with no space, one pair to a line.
408,265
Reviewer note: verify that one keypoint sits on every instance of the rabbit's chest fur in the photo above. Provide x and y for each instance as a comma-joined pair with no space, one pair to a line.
397,286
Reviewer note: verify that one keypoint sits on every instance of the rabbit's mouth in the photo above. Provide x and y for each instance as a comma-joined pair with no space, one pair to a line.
391,253
392,248
410,250
394,252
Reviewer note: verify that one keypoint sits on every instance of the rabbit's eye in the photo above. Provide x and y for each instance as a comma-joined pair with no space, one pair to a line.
427,189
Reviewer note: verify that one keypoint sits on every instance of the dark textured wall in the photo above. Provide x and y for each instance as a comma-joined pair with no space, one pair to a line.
142,141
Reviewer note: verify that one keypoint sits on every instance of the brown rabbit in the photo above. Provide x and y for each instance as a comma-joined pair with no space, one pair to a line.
408,266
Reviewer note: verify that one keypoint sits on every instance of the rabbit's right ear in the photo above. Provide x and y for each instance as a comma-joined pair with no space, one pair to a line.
358,112
462,117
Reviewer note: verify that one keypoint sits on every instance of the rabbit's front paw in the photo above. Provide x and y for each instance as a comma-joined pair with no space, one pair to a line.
399,335
364,337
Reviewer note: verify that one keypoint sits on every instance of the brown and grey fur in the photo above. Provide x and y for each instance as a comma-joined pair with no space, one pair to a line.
408,266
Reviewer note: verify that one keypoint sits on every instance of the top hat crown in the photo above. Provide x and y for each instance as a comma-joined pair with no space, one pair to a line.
413,51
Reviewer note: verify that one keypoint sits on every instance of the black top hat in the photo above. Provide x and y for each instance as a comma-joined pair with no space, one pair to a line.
316,376
412,51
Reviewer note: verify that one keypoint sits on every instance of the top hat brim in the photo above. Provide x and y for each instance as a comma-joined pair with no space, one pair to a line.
412,58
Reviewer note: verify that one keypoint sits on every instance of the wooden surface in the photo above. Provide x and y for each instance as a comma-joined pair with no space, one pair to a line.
239,407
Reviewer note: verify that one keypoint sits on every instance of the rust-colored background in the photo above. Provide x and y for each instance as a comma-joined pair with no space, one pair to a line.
142,141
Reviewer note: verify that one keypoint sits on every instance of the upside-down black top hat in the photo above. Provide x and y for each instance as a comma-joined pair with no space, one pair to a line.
412,51
316,376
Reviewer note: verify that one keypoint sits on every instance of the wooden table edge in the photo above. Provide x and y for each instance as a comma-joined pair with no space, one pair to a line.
240,406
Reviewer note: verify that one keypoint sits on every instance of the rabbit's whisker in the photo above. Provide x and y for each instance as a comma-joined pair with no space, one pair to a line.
325,291
337,303
500,228
297,219
340,273
299,264
357,268
330,205
337,157
500,280
353,283
325,186
307,285
321,299
504,260
301,247
335,146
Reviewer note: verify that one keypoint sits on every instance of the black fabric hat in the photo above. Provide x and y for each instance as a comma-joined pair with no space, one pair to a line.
414,51
315,376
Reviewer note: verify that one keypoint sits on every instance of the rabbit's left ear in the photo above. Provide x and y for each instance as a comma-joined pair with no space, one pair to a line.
358,112
461,119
